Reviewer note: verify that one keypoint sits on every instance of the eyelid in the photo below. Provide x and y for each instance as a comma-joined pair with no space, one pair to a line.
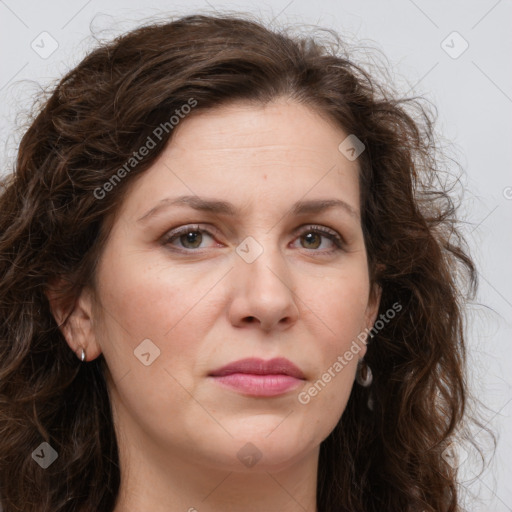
327,232
186,228
317,227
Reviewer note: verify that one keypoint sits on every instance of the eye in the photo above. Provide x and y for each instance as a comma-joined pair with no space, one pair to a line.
188,237
314,238
311,238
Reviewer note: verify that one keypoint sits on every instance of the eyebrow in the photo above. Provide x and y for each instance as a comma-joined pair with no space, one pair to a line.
224,208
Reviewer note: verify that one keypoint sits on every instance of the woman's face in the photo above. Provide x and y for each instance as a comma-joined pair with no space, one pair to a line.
253,278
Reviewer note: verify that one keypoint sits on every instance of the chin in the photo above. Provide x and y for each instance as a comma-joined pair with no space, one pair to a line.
268,450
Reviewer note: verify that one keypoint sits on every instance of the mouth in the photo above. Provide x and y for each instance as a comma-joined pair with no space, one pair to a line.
257,377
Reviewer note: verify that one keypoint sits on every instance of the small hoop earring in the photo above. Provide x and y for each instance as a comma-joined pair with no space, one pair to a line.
364,375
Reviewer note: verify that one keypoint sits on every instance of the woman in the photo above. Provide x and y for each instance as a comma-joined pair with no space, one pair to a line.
229,283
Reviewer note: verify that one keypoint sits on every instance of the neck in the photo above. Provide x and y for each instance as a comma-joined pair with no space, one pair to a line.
160,480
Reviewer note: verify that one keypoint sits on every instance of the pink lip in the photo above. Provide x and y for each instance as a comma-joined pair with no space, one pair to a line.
258,377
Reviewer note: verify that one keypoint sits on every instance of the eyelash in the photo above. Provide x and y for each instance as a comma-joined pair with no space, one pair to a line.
326,232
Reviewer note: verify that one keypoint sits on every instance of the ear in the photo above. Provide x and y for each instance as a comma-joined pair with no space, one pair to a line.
372,309
75,320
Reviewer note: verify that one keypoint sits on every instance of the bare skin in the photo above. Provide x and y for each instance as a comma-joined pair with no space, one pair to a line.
203,305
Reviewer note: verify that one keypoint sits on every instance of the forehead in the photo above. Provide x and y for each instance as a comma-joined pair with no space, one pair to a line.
241,151
277,126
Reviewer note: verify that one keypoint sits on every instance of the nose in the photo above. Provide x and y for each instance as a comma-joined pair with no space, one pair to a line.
263,293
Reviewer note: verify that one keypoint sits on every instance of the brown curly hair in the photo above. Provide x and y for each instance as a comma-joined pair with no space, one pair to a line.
53,229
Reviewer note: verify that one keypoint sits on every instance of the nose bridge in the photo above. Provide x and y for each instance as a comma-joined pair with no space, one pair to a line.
260,259
263,282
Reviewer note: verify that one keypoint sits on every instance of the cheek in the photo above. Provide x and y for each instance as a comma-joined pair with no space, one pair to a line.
346,304
340,301
341,306
152,322
149,299
132,300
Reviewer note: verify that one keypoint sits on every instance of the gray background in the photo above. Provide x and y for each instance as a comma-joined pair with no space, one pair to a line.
472,91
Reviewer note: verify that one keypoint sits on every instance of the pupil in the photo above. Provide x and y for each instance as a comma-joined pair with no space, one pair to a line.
192,237
310,239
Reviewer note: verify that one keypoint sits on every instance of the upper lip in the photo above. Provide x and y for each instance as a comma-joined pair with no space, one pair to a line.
276,366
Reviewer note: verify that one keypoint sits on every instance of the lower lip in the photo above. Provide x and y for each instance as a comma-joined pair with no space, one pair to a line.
259,385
